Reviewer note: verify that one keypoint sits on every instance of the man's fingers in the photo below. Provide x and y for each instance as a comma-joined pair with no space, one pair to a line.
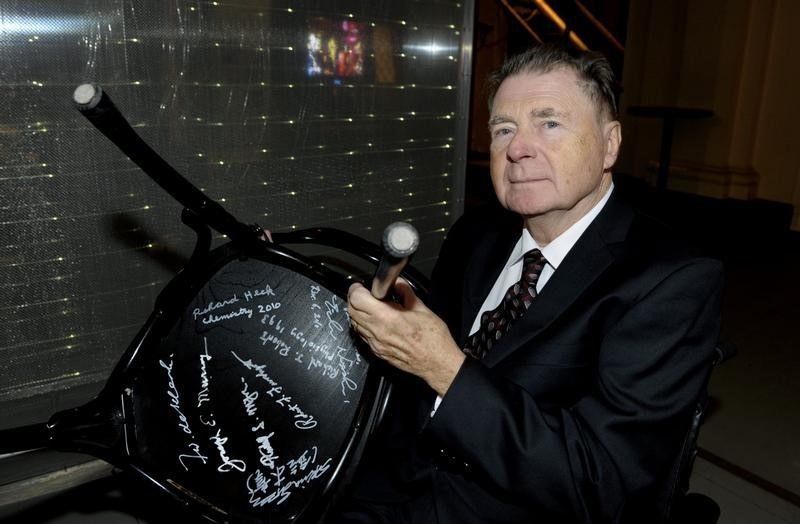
405,293
357,299
359,302
360,330
357,296
353,287
408,297
380,323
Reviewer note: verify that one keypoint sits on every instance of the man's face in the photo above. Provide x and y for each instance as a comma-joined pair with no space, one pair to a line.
550,148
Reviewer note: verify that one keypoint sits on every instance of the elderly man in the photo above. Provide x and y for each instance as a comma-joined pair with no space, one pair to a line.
554,376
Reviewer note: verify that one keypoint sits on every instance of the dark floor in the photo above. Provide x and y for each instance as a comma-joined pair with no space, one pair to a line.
756,423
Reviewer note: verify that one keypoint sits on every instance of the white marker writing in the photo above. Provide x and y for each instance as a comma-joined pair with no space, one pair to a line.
227,464
197,312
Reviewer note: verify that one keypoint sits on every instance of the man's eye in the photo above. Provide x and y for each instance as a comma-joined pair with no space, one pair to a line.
503,131
550,124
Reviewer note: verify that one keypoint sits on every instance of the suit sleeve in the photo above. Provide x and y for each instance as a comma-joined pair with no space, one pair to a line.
586,461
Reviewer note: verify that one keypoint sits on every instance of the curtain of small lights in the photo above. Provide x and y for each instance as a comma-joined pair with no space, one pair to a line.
333,113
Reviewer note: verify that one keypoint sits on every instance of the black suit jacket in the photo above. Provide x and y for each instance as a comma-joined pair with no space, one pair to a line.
579,412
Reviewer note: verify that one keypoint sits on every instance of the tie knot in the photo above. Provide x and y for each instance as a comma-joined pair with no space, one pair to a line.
532,264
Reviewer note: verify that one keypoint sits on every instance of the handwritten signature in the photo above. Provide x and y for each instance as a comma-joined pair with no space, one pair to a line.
197,312
213,319
266,291
302,419
228,464
175,397
183,422
202,395
278,484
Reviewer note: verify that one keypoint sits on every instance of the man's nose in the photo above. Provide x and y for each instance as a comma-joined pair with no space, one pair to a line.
521,146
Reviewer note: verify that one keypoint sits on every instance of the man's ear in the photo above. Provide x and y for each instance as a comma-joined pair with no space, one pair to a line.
613,136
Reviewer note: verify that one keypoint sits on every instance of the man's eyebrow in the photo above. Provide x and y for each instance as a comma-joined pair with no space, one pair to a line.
499,119
546,112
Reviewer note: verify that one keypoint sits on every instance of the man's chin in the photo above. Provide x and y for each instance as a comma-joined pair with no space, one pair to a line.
526,208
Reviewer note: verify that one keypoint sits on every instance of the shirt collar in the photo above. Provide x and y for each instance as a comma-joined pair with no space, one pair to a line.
557,250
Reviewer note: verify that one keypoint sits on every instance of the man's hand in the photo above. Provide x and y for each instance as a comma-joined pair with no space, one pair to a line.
409,336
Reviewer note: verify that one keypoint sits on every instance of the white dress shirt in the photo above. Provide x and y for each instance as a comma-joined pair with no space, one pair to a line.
554,253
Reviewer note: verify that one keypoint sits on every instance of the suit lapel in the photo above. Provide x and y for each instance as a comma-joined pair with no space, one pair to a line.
481,273
588,259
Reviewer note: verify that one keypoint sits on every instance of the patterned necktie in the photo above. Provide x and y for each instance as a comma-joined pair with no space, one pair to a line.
519,297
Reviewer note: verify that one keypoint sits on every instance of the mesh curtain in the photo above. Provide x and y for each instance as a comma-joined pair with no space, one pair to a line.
343,114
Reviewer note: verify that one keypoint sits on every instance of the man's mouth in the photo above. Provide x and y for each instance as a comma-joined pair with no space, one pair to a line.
525,179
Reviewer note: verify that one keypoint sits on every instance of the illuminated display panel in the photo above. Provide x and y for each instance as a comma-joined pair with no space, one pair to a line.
336,49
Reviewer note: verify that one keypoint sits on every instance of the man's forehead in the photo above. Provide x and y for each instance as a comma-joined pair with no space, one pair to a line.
540,92
560,89
530,83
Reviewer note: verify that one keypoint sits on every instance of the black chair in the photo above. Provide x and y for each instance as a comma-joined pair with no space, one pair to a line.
245,396
695,508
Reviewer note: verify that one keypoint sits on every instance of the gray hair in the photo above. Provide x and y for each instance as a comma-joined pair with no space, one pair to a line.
593,70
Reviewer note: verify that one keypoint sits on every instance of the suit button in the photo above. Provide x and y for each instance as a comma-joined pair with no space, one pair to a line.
440,458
